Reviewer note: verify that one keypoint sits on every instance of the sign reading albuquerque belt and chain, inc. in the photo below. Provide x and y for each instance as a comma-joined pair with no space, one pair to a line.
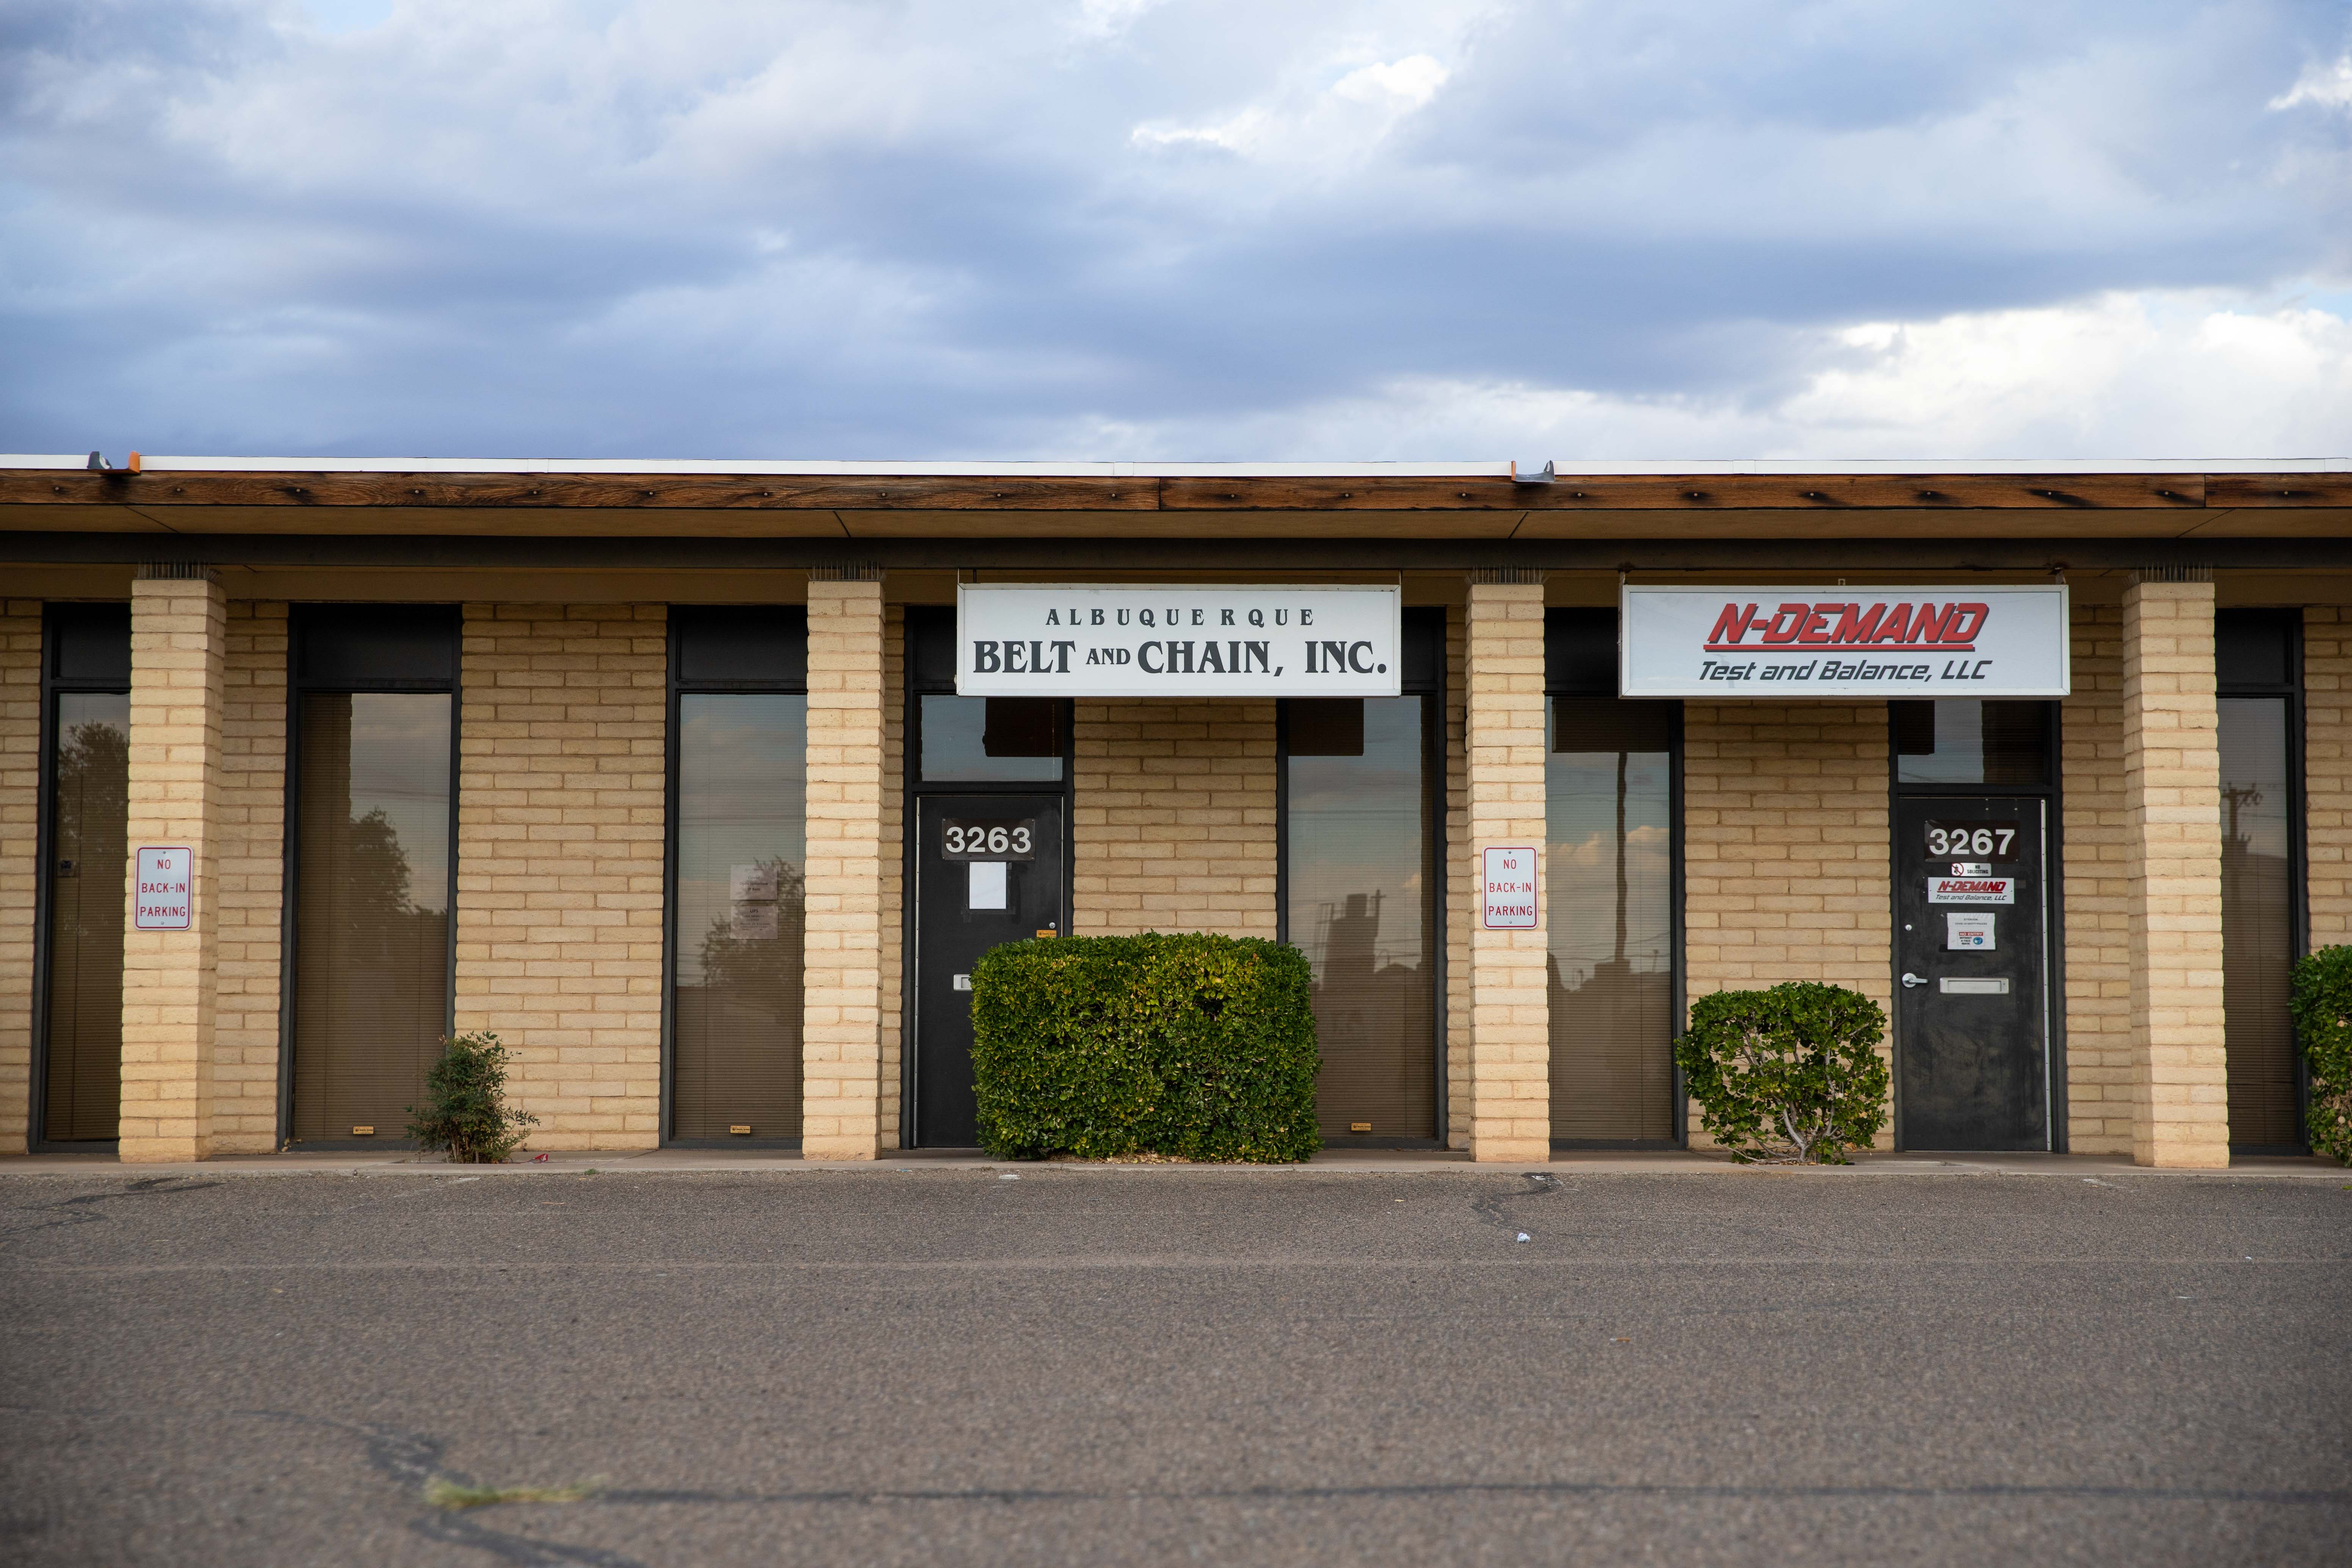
1795,643
1041,641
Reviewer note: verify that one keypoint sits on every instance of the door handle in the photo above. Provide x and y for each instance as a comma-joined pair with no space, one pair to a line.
1911,980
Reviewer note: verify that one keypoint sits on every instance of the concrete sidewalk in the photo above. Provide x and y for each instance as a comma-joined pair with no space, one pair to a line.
1414,1162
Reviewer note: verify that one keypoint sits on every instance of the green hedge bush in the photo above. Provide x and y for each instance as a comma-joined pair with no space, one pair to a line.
1193,1045
1792,1073
2323,1021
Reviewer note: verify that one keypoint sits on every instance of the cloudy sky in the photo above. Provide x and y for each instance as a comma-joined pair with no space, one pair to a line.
1208,229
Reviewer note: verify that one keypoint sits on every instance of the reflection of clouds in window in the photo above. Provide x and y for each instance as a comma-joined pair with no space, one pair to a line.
742,802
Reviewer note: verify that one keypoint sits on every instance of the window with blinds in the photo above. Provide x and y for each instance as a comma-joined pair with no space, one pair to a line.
1610,931
86,706
2257,659
89,795
1361,800
739,713
1609,815
373,798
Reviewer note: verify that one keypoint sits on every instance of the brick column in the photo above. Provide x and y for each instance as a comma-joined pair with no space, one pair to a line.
2172,810
1510,1005
179,643
841,1033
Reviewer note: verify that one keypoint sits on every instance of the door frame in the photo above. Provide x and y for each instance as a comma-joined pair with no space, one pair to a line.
934,626
2053,917
45,849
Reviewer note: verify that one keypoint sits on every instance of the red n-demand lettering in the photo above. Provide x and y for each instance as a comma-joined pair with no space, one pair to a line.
1730,625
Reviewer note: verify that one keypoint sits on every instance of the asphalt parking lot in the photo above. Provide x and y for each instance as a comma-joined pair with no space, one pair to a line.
1088,1366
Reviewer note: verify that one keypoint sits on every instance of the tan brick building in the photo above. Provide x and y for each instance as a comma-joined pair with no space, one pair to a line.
664,774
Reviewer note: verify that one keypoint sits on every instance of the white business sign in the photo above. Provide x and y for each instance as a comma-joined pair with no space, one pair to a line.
1033,641
1509,879
163,897
1795,643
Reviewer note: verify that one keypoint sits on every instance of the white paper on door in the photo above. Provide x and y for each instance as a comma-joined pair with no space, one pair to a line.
987,890
1968,932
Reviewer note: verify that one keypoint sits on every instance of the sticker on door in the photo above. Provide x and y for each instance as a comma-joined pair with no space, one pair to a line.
1969,932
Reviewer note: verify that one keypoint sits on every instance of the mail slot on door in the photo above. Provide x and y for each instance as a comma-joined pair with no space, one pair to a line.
1966,985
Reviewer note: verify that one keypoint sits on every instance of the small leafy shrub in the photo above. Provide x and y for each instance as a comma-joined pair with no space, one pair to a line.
1193,1045
466,1112
2323,1021
1789,1074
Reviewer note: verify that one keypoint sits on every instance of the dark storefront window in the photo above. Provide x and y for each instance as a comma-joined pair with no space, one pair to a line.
1360,886
373,789
739,888
2257,658
1962,740
1608,806
990,740
86,669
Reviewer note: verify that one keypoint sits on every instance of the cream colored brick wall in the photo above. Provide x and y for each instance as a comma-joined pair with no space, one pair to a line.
1172,823
2172,783
1461,889
894,868
842,1035
2327,771
1511,1021
1786,849
20,784
178,647
2096,847
252,879
560,852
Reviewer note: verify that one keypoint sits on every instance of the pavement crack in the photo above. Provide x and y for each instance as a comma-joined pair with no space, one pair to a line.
1491,1209
83,1214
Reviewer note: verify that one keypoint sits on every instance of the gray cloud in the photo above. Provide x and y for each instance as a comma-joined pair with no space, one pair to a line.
690,229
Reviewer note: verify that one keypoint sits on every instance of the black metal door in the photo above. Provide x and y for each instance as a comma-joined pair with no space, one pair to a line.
989,868
1972,961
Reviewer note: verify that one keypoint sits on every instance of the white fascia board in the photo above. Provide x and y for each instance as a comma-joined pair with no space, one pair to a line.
1595,470
821,468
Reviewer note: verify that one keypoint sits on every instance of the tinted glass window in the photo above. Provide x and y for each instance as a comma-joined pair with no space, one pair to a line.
991,740
372,949
2257,921
1961,740
742,835
1360,889
89,815
1608,806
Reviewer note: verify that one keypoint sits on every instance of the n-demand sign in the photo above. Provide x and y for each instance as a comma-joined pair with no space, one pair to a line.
1018,640
1793,643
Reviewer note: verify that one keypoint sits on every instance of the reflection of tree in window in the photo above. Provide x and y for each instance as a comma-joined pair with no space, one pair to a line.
1357,810
752,956
90,805
372,984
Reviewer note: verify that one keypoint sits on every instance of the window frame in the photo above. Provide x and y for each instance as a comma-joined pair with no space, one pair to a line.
681,686
53,684
298,619
1429,621
1564,627
2053,793
2290,620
